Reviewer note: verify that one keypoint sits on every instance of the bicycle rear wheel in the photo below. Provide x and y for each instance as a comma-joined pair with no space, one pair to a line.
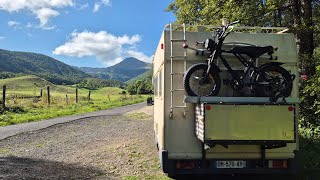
195,85
273,81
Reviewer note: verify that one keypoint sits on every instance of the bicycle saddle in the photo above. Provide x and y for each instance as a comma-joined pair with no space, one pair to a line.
252,51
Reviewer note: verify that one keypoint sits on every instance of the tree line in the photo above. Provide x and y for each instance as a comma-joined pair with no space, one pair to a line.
142,85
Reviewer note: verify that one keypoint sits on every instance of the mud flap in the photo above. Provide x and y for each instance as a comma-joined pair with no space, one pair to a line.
167,165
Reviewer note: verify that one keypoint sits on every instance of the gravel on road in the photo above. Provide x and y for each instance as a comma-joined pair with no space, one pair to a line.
114,145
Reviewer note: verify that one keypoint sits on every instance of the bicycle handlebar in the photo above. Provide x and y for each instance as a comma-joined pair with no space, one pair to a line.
224,29
235,22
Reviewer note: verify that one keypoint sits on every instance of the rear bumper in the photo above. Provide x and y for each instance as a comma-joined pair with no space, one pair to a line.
204,168
234,171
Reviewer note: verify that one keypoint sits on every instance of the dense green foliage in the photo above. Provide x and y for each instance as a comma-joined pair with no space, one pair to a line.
123,71
309,145
141,85
311,101
39,65
96,83
4,75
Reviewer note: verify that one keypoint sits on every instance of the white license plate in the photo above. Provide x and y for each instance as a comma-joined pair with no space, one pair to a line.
231,164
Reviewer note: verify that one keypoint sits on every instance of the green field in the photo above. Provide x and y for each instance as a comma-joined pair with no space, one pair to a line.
24,104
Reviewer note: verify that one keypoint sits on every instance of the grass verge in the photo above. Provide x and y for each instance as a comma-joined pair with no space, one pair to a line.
16,115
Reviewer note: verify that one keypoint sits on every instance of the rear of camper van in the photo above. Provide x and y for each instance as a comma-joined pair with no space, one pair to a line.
230,133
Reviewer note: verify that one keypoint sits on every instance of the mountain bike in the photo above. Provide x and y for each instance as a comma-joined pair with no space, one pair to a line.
267,80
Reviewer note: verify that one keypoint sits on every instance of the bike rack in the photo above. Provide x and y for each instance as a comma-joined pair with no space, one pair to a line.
172,27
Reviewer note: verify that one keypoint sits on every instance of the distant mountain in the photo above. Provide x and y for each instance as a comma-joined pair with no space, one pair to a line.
39,65
123,71
143,76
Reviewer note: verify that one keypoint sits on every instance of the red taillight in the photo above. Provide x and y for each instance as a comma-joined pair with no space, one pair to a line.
162,46
290,108
278,164
208,107
184,45
187,164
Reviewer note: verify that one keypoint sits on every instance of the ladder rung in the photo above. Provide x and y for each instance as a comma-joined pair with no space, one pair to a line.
178,40
179,106
178,73
181,57
178,90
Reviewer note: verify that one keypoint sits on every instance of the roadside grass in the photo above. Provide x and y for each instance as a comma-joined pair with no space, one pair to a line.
41,112
24,104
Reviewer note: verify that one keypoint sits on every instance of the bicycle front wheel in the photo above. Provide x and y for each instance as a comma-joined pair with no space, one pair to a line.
195,84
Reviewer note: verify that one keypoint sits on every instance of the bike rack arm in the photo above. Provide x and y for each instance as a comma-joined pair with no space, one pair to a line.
239,100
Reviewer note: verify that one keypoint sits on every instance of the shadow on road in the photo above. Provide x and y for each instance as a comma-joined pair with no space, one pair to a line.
26,168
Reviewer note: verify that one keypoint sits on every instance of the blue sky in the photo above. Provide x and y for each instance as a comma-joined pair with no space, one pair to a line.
92,33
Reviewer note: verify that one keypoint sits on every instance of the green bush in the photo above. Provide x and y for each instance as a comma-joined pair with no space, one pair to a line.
310,105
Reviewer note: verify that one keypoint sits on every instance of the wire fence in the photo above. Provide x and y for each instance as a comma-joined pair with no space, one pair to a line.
50,96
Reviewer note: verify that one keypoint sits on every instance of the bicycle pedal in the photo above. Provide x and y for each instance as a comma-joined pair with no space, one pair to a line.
226,81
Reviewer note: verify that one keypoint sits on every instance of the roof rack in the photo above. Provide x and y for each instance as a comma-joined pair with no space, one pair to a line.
209,28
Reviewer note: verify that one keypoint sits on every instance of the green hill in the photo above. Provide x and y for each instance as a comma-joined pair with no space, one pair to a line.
39,65
123,71
24,82
140,77
31,85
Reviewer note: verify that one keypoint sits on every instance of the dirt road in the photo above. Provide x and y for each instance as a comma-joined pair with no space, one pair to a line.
112,146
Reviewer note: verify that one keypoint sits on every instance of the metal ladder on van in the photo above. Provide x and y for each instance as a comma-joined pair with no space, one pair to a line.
172,73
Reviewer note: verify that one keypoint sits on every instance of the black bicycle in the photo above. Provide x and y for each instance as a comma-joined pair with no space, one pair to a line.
268,80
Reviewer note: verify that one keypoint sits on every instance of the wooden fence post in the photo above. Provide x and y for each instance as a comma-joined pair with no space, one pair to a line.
4,96
40,92
48,94
109,98
89,96
77,99
67,100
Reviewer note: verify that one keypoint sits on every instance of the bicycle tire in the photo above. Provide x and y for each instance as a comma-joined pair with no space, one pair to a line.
271,90
191,84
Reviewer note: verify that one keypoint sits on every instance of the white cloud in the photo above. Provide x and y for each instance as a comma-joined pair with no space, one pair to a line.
98,5
106,47
106,2
1,37
14,24
139,55
83,6
44,14
43,9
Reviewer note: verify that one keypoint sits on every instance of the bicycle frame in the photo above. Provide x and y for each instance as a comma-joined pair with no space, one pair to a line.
217,53
247,64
